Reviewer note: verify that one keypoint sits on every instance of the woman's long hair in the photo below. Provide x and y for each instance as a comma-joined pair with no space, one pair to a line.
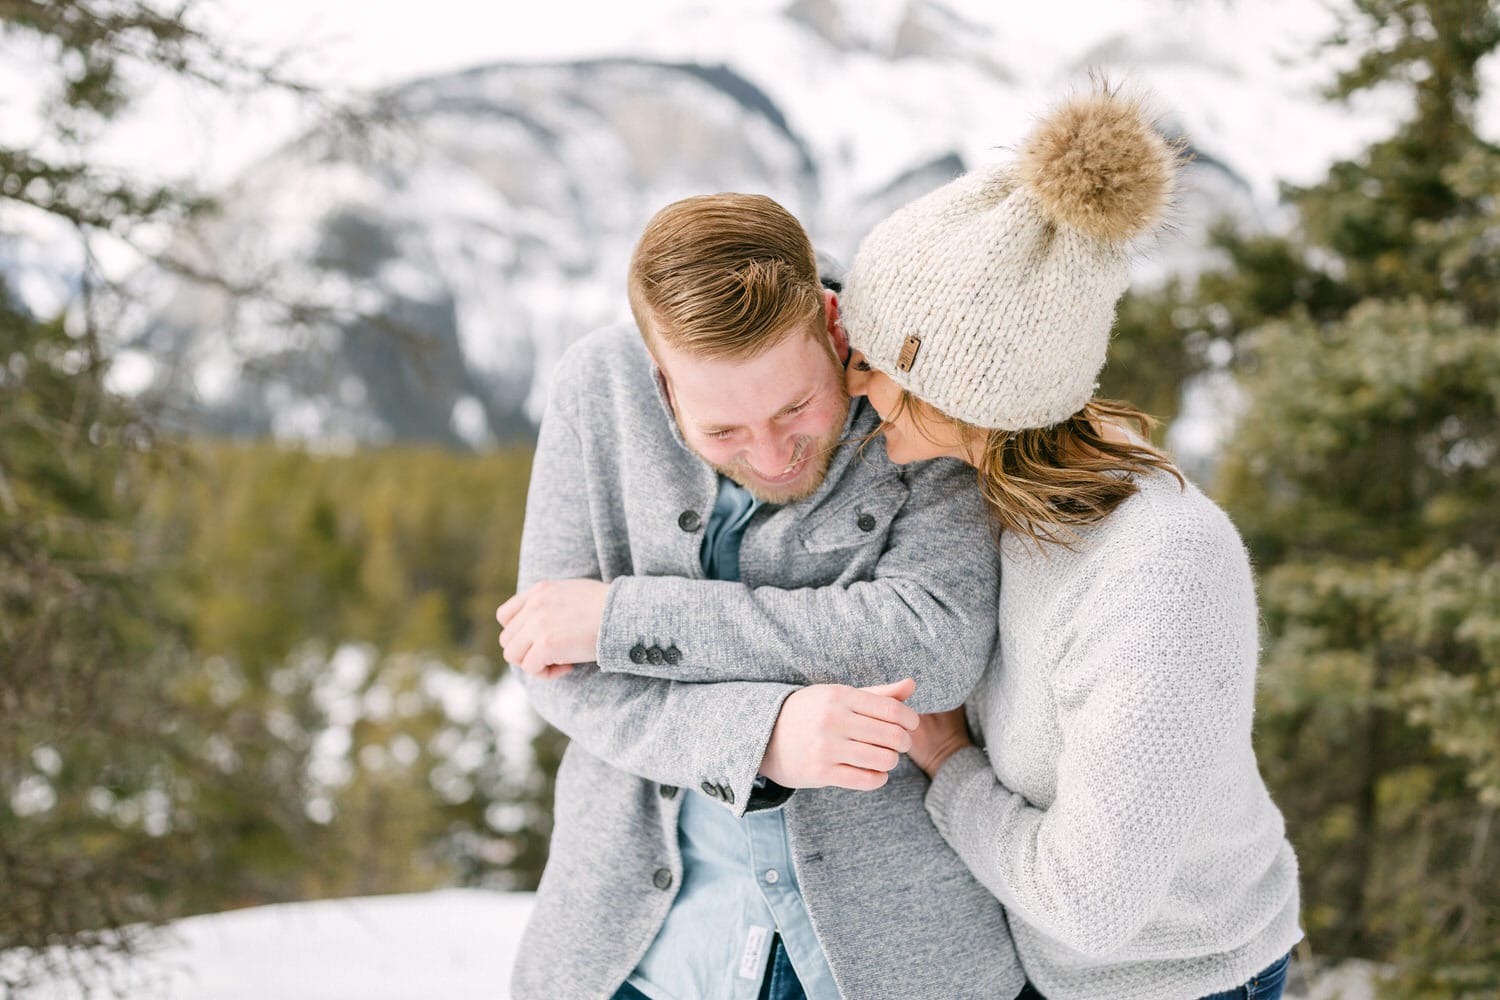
1044,483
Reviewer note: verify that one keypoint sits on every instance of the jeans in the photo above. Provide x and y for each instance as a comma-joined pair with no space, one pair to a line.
780,982
781,979
1264,985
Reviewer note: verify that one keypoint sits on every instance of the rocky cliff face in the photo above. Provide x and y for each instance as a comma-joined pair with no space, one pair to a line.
420,273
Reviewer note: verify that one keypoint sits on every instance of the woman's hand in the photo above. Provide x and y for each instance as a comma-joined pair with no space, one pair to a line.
938,737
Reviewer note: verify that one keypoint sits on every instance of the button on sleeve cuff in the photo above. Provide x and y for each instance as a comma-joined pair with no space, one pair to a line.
747,732
617,649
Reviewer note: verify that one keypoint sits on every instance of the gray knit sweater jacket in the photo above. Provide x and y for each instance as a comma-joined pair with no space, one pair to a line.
1116,808
884,572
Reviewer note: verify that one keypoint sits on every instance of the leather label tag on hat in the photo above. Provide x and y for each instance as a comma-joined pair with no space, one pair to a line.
909,353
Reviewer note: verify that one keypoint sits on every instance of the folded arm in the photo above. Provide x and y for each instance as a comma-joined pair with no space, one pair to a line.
927,613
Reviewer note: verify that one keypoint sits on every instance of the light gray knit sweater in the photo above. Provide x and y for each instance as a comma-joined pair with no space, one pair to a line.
1117,810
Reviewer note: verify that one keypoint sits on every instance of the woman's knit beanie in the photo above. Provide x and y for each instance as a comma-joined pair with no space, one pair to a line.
992,297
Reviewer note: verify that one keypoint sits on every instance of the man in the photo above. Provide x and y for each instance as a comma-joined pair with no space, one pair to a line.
705,537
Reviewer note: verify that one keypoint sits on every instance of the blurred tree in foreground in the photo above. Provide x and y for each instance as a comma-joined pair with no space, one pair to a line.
83,658
227,676
91,759
1364,476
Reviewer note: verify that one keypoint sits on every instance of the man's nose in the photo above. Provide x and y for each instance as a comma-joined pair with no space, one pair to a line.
772,453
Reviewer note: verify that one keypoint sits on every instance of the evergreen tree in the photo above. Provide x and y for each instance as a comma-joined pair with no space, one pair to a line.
76,794
1364,476
95,761
228,676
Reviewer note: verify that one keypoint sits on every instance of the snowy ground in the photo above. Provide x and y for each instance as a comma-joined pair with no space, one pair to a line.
455,944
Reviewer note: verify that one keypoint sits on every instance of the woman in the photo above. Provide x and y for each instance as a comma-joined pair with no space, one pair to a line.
1110,797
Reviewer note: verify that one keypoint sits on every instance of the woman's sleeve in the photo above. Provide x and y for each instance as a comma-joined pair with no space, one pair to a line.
1151,695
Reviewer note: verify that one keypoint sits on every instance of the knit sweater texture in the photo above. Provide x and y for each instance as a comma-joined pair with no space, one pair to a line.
1115,807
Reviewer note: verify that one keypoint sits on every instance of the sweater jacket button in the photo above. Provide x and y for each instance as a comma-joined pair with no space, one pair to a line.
655,656
866,522
689,520
673,655
668,791
662,879
710,789
637,653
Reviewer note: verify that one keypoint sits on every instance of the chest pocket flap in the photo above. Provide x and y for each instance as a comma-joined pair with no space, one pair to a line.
858,519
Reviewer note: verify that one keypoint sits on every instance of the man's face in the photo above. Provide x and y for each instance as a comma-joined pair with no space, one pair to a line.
771,422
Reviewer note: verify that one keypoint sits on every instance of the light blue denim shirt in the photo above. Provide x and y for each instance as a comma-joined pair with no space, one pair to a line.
739,886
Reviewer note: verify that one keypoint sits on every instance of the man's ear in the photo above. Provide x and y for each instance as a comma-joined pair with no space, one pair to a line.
662,382
836,332
666,387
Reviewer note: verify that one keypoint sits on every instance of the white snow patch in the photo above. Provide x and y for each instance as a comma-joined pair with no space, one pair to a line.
130,372
516,725
47,760
216,376
455,943
1212,404
470,423
33,796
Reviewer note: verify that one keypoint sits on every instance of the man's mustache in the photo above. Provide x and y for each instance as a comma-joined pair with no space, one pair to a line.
799,455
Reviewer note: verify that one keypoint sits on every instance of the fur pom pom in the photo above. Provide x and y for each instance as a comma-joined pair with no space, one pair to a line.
1097,164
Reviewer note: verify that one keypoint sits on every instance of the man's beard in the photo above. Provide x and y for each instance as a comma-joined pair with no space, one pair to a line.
818,452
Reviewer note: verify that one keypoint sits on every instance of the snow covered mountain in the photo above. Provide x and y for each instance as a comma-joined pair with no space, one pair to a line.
439,259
